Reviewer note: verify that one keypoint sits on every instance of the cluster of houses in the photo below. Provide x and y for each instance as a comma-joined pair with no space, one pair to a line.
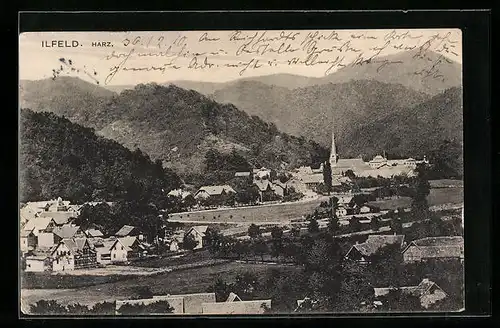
50,241
200,303
429,248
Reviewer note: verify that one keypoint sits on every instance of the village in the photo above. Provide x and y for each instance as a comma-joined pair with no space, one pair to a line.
52,243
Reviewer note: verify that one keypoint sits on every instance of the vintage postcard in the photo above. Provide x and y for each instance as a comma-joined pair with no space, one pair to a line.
241,172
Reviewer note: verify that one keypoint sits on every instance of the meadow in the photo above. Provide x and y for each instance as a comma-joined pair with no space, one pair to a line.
177,282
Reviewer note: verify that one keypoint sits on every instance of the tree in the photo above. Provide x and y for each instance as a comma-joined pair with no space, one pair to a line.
190,243
375,223
313,226
79,309
359,199
398,301
47,308
103,308
214,240
254,231
333,225
277,233
355,224
396,226
221,290
327,176
260,247
421,189
189,201
350,174
295,232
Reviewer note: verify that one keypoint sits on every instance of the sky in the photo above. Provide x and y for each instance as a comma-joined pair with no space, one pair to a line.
129,58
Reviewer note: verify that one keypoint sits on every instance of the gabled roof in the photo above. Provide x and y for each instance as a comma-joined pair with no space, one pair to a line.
93,233
202,230
125,231
179,193
438,247
26,233
75,245
376,242
312,178
39,223
216,190
127,242
60,218
233,298
418,291
66,231
263,185
278,183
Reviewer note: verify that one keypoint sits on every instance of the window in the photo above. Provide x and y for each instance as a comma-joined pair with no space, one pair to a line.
122,248
114,256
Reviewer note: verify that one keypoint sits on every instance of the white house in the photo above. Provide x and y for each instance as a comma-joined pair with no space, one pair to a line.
124,249
28,240
37,263
198,233
74,253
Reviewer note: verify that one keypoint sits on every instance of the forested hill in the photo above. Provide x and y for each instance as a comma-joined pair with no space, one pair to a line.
59,158
179,127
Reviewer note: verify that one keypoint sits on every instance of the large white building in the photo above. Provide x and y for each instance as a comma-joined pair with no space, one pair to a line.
378,166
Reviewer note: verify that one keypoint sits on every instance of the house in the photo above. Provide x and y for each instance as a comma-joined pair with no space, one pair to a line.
130,231
73,253
103,250
303,301
66,231
28,240
37,263
344,210
233,298
179,193
125,249
239,307
192,303
266,191
243,174
213,192
362,252
442,248
427,291
60,218
181,304
261,173
39,225
346,200
280,188
93,233
312,180
199,234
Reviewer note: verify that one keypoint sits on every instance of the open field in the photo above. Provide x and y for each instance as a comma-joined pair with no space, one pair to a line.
177,282
446,183
256,214
437,196
282,213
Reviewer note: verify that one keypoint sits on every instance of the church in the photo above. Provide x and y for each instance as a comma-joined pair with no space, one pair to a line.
378,166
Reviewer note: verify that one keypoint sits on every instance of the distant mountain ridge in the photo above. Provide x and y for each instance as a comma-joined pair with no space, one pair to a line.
403,70
179,126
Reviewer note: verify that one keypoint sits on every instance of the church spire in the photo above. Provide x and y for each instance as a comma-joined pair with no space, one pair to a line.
333,153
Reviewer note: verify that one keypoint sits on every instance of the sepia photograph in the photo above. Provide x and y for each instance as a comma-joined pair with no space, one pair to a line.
241,172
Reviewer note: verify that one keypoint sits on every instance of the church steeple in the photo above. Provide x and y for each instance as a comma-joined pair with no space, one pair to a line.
334,157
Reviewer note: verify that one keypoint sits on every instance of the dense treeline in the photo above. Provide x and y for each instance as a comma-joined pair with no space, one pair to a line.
62,159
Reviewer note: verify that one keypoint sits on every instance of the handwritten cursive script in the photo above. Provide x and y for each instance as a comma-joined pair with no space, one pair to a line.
258,51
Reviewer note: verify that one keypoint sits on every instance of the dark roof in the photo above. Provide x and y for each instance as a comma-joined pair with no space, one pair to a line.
66,231
125,231
94,233
376,242
439,247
